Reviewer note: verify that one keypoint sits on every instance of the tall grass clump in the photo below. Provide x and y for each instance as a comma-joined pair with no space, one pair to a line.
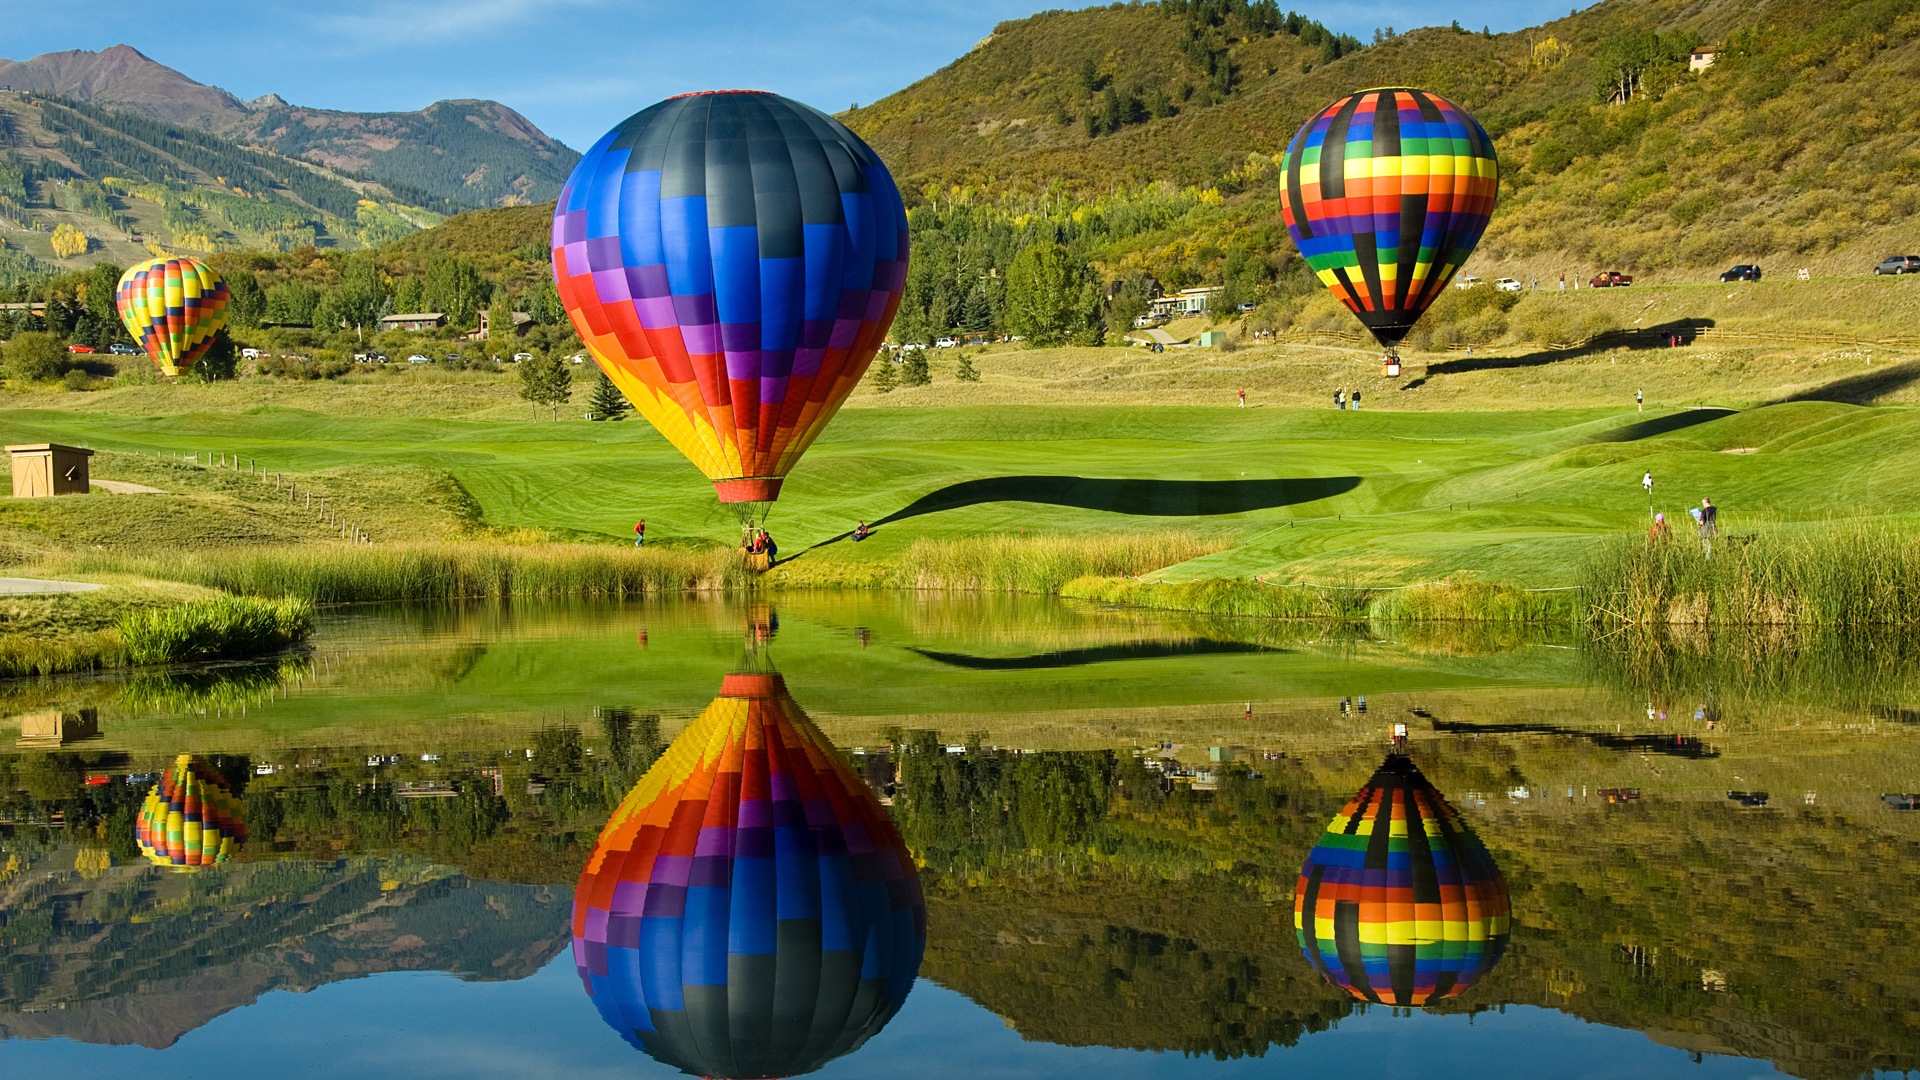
1471,599
1040,564
1224,596
39,654
340,573
1844,574
217,629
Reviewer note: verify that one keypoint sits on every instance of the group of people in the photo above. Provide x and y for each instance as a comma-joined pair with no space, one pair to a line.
758,541
1342,400
1706,520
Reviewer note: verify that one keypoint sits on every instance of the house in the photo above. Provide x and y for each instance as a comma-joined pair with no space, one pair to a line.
1185,302
521,320
1703,57
423,320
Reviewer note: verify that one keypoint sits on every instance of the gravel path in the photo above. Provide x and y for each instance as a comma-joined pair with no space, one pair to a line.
26,586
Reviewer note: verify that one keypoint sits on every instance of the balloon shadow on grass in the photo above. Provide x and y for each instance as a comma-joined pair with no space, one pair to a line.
1863,389
1146,498
1142,498
1662,336
1663,425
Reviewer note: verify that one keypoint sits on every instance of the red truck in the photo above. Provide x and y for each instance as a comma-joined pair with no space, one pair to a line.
1607,278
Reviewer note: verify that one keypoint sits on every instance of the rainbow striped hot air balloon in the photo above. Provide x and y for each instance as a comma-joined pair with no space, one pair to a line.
1386,192
190,818
732,260
173,306
749,910
1399,903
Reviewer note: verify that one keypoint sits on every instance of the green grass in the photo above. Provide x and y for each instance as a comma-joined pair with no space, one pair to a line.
223,628
1394,495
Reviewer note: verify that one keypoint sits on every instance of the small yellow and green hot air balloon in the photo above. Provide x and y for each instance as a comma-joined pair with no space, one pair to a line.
191,818
173,306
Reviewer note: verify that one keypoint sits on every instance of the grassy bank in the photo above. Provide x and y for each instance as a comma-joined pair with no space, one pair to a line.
1465,600
141,624
346,573
1843,574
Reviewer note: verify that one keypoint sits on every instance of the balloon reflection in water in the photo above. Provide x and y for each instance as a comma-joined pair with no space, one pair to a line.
190,818
1400,903
749,911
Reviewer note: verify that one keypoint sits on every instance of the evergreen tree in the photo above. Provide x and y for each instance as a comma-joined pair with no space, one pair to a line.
883,375
966,372
914,370
606,401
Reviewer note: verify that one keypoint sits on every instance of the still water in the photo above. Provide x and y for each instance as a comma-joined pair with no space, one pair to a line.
878,835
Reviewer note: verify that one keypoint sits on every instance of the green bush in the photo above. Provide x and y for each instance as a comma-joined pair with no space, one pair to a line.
35,355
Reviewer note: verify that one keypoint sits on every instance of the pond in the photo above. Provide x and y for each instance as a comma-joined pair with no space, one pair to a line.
870,834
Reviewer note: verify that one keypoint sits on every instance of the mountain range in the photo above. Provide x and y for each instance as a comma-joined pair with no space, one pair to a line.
329,177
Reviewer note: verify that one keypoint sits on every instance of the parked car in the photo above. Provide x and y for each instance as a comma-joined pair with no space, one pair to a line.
1608,278
1743,272
945,343
1899,264
416,358
578,358
1246,306
1466,281
250,354
76,347
121,348
522,356
1507,284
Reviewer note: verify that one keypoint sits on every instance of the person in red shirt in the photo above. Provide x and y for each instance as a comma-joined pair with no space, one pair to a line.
640,533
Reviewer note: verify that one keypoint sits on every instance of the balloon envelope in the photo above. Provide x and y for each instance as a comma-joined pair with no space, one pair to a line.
749,910
732,260
173,306
1386,192
190,818
1400,903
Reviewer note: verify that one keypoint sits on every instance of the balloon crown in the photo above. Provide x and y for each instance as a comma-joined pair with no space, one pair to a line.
710,93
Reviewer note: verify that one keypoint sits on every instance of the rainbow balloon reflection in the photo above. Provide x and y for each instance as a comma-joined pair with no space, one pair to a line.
749,910
1400,903
190,818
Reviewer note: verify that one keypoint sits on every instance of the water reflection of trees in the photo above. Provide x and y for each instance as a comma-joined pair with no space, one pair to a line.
1143,913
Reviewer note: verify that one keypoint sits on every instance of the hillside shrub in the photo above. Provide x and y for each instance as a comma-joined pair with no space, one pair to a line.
35,355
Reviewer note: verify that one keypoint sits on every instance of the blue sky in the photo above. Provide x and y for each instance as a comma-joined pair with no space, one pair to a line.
577,67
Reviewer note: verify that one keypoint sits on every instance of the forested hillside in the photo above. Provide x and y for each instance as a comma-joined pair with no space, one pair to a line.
80,182
1145,139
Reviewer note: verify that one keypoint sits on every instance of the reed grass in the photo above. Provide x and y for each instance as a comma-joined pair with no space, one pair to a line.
345,573
1845,574
1472,599
1459,600
40,654
1040,564
1224,596
219,629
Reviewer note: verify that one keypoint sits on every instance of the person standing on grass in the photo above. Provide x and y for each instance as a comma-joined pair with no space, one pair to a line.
640,533
1243,397
1639,401
1709,524
1339,399
1356,400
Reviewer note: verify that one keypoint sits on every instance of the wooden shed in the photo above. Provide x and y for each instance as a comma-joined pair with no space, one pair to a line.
49,469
